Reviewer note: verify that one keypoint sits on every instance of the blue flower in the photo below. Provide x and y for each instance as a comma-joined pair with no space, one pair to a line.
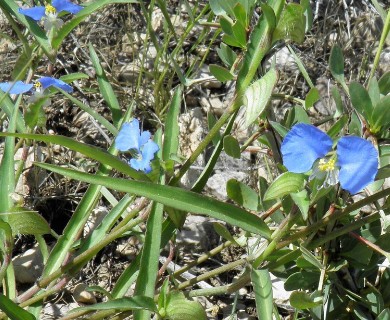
138,143
38,87
49,13
355,163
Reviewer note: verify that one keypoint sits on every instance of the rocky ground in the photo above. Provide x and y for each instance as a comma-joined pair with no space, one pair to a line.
134,66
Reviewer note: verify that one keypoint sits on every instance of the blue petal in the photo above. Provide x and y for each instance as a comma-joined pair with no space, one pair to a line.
149,149
35,13
302,146
358,161
48,82
65,5
15,87
145,136
128,136
141,165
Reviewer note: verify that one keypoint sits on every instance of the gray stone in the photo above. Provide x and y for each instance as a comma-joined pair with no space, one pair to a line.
28,265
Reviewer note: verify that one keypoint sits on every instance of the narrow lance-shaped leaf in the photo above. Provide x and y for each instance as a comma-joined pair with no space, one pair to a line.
90,151
262,287
174,197
13,311
122,304
105,87
146,281
259,45
336,65
171,137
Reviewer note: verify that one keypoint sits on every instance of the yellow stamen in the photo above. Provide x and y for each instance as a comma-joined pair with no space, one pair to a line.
50,10
327,166
37,85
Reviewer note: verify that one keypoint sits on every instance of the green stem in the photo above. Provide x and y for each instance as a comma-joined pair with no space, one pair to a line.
78,262
335,216
203,258
385,32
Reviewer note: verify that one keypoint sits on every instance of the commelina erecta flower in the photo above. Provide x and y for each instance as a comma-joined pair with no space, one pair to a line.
49,13
354,164
141,147
38,87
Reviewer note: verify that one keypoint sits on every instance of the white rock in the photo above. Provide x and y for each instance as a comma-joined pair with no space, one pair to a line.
81,295
56,310
28,266
94,219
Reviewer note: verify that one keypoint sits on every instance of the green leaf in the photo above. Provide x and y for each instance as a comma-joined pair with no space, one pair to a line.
338,101
174,197
308,14
239,33
373,91
224,7
240,15
259,45
20,70
301,66
211,121
171,137
312,97
338,126
147,277
295,115
280,129
226,26
7,105
231,41
384,315
180,308
383,172
302,200
258,95
336,64
285,184
122,304
381,115
361,100
90,151
74,76
224,232
35,115
24,221
262,287
13,311
302,300
226,54
231,147
243,195
292,24
220,73
355,125
105,87
100,290
384,83
7,166
309,257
